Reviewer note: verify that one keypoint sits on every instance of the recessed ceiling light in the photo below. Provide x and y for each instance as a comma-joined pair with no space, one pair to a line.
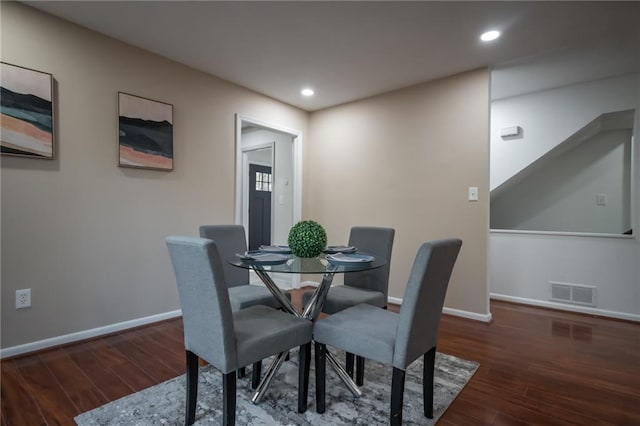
307,92
490,35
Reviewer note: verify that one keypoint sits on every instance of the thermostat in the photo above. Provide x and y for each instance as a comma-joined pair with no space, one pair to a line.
506,132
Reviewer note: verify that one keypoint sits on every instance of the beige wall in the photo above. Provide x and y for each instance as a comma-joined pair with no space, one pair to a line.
405,160
88,237
85,235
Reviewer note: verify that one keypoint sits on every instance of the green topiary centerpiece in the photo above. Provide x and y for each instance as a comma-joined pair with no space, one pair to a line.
307,238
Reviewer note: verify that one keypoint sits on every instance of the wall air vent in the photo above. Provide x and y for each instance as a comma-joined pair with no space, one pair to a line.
573,293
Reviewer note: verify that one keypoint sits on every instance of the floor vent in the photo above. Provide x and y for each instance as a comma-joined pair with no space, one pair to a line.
573,293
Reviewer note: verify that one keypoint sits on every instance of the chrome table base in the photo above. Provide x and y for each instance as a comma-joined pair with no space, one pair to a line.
311,312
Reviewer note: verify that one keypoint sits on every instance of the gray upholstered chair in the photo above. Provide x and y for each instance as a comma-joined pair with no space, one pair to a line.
370,287
230,240
395,339
225,339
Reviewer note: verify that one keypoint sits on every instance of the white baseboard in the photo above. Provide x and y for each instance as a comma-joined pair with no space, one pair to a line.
467,314
451,311
86,334
394,300
565,307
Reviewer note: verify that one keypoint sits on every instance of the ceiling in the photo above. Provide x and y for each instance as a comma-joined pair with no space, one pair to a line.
350,50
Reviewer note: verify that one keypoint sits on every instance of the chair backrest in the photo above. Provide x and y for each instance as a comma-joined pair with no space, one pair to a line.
204,298
423,300
376,241
230,240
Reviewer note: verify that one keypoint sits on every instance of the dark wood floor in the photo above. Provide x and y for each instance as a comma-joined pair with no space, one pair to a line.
537,367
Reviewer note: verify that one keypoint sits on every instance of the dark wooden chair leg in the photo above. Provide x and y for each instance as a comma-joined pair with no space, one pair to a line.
359,370
427,381
397,395
192,387
320,377
242,372
229,398
349,364
256,372
303,377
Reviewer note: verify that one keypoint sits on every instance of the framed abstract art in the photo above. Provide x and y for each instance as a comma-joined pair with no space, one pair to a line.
145,133
26,112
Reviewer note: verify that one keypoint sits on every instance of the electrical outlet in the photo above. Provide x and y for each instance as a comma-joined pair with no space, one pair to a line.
23,298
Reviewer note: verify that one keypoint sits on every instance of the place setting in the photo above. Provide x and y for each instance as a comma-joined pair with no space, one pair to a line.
266,255
277,254
258,257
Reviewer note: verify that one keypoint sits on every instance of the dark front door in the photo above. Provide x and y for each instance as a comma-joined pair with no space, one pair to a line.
260,186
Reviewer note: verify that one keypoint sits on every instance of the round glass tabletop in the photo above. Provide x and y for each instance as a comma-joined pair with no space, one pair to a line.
291,264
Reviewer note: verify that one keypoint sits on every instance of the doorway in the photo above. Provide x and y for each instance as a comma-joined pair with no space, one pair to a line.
268,184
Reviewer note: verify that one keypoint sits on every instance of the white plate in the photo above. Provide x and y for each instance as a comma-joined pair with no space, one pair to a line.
349,259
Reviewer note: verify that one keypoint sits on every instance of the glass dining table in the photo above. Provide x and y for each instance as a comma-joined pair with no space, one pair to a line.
263,265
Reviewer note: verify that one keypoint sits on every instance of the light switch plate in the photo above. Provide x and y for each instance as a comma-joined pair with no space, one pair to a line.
473,193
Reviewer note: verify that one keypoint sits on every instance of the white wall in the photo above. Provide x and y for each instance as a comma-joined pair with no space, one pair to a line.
549,117
522,264
84,234
282,197
261,157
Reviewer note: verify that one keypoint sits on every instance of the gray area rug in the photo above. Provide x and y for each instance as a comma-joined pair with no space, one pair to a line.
164,404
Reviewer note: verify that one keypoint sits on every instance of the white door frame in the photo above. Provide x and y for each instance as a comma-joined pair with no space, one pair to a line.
297,170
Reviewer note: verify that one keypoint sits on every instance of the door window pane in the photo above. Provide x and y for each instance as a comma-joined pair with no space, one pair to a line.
263,181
